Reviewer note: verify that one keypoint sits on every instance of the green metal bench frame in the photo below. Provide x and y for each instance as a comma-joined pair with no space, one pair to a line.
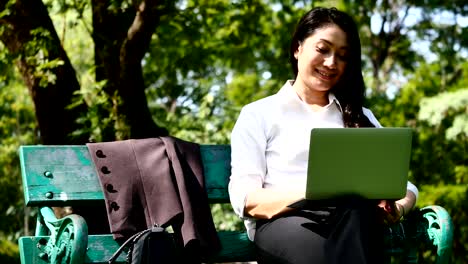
65,176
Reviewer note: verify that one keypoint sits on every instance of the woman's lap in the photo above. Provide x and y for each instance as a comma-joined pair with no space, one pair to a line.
291,239
348,234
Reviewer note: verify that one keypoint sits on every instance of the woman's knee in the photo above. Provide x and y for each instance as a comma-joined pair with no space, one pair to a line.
291,239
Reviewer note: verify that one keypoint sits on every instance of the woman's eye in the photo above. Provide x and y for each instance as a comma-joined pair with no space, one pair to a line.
321,50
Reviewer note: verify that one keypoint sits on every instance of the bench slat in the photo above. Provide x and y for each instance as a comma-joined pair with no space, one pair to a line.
74,180
216,161
100,249
235,247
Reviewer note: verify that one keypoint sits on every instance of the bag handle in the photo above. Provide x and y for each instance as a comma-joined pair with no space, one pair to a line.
132,239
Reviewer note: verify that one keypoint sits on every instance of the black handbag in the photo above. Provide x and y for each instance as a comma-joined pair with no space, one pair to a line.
153,245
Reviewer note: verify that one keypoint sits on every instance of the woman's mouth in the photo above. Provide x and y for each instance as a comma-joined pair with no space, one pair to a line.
325,75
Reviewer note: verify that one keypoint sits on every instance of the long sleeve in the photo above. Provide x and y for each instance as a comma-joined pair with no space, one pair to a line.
248,145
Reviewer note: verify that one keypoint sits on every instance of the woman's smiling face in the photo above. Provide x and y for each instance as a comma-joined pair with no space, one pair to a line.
322,59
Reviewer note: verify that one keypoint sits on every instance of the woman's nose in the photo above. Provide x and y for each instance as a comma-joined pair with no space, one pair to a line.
330,62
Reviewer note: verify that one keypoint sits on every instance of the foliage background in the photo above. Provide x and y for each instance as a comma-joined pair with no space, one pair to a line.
207,59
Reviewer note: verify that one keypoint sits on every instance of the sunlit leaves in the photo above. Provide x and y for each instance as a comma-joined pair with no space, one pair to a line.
17,127
447,105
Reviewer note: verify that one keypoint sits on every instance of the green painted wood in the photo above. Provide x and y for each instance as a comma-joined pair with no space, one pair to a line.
100,249
235,247
58,176
65,175
31,248
216,161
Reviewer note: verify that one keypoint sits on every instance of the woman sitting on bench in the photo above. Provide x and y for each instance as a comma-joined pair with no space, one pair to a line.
270,145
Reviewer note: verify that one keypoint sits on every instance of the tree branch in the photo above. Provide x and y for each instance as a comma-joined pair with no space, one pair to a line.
139,34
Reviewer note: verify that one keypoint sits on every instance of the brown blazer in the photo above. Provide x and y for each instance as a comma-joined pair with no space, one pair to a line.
155,181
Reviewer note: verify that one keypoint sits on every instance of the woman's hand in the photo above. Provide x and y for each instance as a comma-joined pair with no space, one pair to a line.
393,211
268,203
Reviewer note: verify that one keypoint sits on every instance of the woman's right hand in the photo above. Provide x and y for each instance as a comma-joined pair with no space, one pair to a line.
267,203
391,211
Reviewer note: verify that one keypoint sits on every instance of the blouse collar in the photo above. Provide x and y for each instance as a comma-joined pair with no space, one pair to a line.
287,94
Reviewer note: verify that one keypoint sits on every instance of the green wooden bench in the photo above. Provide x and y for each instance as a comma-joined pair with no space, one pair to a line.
57,176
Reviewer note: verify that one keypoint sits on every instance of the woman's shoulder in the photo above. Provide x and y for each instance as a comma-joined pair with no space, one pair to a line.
264,104
269,103
260,113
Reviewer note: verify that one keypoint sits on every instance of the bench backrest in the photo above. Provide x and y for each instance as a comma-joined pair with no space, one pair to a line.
66,176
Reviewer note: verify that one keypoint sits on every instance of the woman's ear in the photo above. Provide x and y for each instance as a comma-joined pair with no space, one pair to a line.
296,53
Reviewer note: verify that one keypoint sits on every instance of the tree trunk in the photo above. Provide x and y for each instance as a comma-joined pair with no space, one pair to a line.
29,35
121,40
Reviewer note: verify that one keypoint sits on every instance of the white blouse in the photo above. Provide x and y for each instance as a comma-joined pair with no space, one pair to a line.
270,145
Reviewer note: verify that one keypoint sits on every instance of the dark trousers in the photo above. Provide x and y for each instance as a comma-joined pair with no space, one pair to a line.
348,233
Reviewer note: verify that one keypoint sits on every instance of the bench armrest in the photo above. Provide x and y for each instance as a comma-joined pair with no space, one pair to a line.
439,231
68,237
430,225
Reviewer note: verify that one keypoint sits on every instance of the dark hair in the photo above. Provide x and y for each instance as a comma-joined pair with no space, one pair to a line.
351,88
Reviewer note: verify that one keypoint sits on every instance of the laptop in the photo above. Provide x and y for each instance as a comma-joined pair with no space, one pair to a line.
369,163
